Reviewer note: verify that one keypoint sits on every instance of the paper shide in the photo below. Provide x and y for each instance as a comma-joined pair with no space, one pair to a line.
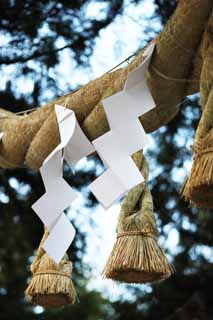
59,195
126,136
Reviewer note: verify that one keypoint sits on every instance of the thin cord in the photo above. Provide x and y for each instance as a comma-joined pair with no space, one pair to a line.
164,76
19,113
122,62
110,70
127,60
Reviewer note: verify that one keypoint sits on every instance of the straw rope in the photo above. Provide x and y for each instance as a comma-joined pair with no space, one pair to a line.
51,283
198,189
136,256
29,138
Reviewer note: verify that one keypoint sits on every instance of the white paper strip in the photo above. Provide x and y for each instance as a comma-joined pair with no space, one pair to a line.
137,76
59,195
116,148
78,147
66,124
107,188
134,100
72,137
60,238
125,137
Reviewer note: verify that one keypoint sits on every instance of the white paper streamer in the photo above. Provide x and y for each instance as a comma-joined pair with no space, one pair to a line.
115,148
59,195
60,238
72,137
125,137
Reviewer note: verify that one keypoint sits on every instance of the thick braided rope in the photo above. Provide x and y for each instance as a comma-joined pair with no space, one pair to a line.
198,187
203,138
29,139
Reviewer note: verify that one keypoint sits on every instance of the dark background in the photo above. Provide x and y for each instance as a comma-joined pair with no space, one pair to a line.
187,294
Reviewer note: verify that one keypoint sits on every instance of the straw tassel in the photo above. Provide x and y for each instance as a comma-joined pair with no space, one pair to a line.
51,284
136,256
198,189
199,186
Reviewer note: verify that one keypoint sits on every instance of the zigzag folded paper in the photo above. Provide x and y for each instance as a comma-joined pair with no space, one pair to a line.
115,148
73,140
59,195
125,137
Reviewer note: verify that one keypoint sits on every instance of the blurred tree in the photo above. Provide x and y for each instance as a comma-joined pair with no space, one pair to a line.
36,32
33,34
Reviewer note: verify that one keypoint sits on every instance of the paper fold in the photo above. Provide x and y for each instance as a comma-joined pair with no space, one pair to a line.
125,137
59,195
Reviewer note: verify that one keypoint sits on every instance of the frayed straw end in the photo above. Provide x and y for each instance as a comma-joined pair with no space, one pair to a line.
199,186
51,290
51,285
137,259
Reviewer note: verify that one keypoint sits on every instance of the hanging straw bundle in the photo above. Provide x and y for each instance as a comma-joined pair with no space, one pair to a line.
136,256
51,284
199,186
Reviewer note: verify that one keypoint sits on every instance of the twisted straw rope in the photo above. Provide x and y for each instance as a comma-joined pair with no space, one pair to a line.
30,138
136,215
136,256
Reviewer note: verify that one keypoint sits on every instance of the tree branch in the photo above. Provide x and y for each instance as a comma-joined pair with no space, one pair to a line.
36,54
